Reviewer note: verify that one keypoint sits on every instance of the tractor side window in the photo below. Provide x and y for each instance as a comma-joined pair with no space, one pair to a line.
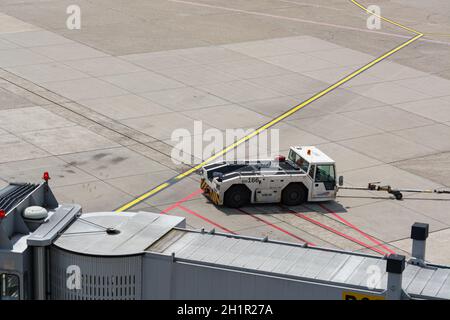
311,171
292,156
325,173
9,287
302,163
299,161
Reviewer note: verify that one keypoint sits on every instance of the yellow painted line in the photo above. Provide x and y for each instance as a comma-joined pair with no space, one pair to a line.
385,19
284,115
143,197
399,24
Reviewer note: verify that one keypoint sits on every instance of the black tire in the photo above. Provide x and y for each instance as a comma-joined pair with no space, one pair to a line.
294,194
237,196
398,195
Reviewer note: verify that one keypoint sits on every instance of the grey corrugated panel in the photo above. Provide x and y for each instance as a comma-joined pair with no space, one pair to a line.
408,274
246,254
261,256
197,244
207,248
362,281
420,281
444,292
112,278
181,243
383,281
347,269
167,240
435,283
214,252
321,262
276,258
257,256
333,267
234,251
324,265
305,262
290,260
361,273
225,249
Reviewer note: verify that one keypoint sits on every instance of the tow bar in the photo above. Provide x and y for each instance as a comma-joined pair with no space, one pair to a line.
397,193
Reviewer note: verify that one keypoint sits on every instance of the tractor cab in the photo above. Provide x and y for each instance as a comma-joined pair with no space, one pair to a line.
321,171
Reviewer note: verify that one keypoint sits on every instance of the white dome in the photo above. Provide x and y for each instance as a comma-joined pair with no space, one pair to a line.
35,213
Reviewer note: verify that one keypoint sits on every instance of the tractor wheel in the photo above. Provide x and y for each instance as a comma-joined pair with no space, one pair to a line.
294,194
398,195
237,196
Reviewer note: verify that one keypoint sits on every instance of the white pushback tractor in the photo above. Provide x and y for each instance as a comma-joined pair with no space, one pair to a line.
307,174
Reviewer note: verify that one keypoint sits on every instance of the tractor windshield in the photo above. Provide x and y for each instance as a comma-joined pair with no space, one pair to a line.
325,173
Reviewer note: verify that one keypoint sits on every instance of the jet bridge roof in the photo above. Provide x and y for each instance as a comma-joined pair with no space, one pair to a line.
113,234
291,260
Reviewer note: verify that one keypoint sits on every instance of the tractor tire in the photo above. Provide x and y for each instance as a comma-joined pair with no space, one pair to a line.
237,196
294,194
398,195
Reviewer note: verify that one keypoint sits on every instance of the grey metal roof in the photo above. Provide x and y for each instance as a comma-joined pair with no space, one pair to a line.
284,259
88,234
47,232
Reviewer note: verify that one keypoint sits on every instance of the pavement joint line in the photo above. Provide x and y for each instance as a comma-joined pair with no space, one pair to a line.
311,5
262,14
337,232
421,213
280,220
60,157
339,221
382,131
324,23
351,225
273,225
102,123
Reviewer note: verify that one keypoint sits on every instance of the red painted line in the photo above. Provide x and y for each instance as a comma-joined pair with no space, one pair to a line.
276,227
348,223
346,236
179,203
205,219
173,206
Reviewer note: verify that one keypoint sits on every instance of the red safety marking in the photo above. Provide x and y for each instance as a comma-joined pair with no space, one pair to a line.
277,227
182,200
204,218
178,205
346,236
348,223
